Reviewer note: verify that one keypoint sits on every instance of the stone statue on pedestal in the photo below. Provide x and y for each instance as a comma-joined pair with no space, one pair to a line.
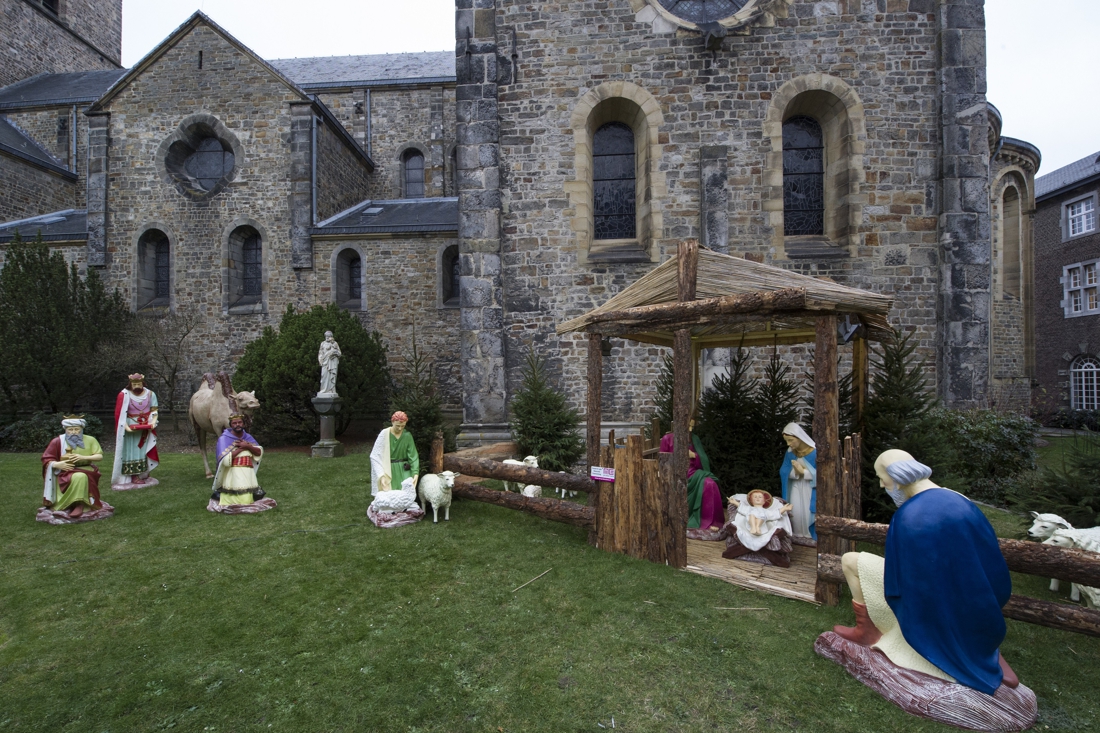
328,356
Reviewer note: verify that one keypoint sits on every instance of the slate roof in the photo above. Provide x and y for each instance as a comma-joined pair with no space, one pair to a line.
383,67
394,217
50,89
56,227
13,140
1068,176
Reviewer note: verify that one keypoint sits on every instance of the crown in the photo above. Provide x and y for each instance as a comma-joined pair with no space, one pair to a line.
236,416
136,377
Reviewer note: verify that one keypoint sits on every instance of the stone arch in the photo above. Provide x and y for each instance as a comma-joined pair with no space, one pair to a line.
144,295
626,102
447,284
231,276
188,135
412,147
1010,198
340,265
839,110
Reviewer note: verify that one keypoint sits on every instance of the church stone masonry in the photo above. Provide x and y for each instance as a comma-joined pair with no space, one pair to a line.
318,161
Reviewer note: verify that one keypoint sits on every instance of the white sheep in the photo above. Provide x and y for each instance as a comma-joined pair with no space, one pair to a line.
435,488
400,500
532,491
1081,539
529,462
563,492
1042,528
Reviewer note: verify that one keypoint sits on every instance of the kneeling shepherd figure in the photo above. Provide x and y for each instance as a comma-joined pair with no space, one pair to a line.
70,491
236,489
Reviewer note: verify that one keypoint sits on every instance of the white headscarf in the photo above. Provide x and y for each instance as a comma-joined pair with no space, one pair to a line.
73,422
796,430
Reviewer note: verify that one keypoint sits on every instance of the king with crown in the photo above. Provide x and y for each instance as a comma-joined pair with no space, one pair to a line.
135,436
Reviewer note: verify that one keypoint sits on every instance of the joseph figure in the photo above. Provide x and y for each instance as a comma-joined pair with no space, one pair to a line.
394,457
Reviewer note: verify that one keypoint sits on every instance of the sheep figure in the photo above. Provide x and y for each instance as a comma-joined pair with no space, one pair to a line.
532,491
563,492
435,488
397,501
1042,528
1081,539
529,462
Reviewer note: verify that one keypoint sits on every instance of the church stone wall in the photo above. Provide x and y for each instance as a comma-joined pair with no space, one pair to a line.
343,178
31,191
888,57
51,128
88,36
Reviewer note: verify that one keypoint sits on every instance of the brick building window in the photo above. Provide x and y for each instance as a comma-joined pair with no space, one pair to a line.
1079,217
803,177
154,269
413,166
449,274
1081,286
348,285
246,271
1085,383
613,179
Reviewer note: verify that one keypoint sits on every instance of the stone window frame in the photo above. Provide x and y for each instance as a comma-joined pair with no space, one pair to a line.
231,280
335,266
1010,179
1088,197
626,102
404,150
839,110
450,176
1084,383
185,132
1081,285
758,13
141,302
441,258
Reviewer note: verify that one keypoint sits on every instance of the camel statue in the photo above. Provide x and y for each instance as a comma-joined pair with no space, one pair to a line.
211,407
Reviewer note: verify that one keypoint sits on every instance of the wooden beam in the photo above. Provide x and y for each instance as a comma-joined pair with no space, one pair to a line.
435,462
486,468
556,510
681,414
1020,608
683,312
830,500
595,398
1033,558
687,269
860,380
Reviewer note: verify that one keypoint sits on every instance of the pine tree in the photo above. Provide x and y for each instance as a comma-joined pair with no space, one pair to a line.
776,405
417,397
727,426
543,423
665,382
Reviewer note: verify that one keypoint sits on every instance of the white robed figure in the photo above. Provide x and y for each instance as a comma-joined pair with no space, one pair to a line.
758,517
328,356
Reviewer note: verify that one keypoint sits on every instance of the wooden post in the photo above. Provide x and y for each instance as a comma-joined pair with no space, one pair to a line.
825,435
653,512
592,432
860,381
606,522
687,266
436,461
681,414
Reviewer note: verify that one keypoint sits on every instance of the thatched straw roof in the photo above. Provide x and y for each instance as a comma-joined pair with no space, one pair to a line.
783,309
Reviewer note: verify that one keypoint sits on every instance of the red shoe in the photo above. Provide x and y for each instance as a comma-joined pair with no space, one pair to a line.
864,633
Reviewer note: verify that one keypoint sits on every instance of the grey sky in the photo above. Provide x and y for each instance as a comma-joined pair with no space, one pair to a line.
1041,64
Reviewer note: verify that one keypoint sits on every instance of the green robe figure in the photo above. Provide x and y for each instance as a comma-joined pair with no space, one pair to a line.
394,457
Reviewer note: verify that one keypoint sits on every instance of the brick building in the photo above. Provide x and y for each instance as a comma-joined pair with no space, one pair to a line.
1067,305
561,151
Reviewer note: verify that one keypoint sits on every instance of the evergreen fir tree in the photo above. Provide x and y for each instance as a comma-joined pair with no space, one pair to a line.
417,397
727,426
543,423
665,381
777,401
1070,490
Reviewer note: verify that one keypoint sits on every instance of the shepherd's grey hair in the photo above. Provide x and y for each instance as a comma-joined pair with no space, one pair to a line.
908,472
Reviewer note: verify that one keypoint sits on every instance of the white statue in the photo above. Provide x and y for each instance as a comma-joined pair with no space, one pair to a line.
328,356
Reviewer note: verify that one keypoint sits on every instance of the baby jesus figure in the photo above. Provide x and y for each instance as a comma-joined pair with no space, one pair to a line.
759,530
758,508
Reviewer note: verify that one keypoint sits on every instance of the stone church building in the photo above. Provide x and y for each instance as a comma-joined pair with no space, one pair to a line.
479,197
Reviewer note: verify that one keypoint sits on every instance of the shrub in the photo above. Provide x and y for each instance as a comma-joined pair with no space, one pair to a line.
418,398
65,337
281,366
665,381
543,423
33,434
1070,490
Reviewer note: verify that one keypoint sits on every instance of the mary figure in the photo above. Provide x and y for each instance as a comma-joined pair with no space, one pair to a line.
798,474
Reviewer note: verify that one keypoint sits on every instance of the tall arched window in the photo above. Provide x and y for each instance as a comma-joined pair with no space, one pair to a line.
803,177
349,279
246,269
1085,383
154,269
613,182
413,161
449,274
1011,249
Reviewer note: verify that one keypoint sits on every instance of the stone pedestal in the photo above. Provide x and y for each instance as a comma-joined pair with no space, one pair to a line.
328,446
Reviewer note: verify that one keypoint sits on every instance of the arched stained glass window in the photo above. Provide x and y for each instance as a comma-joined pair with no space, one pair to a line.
803,177
414,174
613,182
1085,383
253,268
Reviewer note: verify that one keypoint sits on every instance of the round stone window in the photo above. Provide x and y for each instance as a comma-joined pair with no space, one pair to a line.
699,14
704,11
200,158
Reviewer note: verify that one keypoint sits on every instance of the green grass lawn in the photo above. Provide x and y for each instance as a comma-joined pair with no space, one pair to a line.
308,618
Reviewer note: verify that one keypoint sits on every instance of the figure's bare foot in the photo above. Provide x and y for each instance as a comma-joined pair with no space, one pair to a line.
137,480
76,511
209,475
